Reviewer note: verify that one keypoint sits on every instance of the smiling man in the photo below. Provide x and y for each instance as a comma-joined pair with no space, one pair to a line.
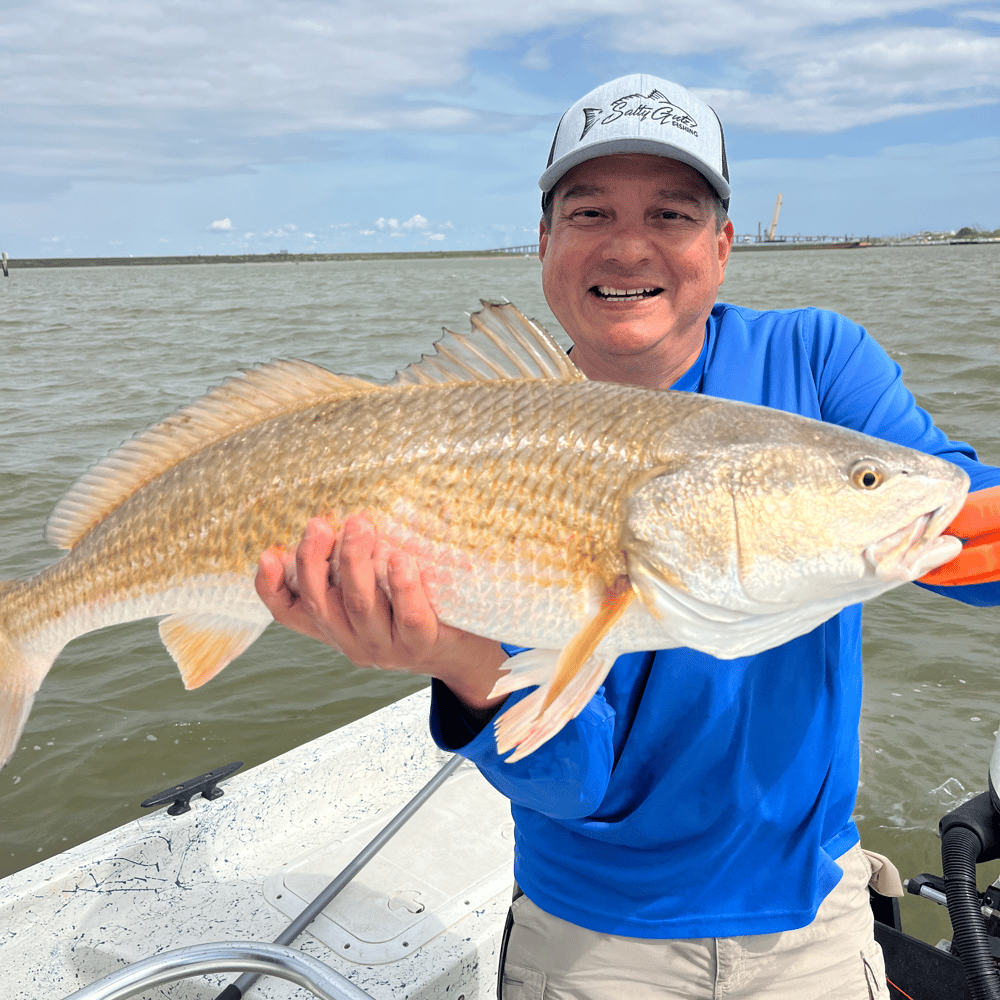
634,248
690,832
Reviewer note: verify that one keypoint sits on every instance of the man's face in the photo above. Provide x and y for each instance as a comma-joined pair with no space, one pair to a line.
632,264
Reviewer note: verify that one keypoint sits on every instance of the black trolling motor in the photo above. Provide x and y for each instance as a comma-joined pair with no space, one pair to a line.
970,835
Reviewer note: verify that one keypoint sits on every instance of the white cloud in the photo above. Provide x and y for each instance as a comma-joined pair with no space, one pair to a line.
405,106
248,236
145,91
436,236
414,222
816,80
536,58
223,224
988,16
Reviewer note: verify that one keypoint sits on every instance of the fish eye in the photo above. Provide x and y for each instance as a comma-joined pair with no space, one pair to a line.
867,475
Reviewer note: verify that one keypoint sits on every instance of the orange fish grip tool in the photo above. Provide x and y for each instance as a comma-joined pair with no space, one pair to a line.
181,795
978,525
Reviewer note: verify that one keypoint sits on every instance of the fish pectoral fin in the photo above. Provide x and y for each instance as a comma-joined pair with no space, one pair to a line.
527,725
575,675
203,642
581,647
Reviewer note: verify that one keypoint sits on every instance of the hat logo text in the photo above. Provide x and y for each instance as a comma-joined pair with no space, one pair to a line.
655,106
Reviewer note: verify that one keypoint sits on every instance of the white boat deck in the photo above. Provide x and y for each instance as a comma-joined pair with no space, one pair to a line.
422,920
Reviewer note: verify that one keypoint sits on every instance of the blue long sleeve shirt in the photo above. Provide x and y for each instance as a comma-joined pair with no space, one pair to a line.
698,797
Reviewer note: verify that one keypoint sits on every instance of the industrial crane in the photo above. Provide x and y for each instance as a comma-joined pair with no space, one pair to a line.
774,220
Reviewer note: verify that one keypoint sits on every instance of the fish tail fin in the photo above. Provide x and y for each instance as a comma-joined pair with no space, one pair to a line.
22,668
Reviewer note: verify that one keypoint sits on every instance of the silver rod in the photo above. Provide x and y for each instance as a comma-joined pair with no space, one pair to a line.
309,914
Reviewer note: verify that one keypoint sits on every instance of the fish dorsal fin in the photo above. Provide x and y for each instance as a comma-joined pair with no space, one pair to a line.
246,399
503,344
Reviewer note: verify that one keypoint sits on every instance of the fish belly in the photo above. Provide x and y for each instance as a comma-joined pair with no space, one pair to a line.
525,591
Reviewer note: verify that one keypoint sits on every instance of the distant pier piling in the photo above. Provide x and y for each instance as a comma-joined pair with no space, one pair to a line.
3,261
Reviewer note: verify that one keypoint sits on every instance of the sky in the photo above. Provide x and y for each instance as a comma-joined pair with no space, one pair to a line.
237,126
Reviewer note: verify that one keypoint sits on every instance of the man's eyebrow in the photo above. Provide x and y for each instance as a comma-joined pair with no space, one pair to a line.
583,191
664,194
680,194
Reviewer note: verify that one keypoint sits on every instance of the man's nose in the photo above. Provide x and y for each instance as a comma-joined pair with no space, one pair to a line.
628,244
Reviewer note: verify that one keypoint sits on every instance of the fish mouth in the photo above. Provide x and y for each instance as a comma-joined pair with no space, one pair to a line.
919,547
609,293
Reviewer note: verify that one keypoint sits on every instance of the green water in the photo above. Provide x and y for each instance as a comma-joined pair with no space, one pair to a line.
92,355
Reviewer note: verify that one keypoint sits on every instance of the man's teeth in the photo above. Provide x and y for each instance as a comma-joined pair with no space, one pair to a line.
624,294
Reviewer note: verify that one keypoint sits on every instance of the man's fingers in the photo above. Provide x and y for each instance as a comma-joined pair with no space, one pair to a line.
357,570
378,611
312,560
270,583
415,623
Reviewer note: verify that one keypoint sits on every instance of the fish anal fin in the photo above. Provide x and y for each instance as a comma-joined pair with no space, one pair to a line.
203,642
25,659
532,667
581,647
17,694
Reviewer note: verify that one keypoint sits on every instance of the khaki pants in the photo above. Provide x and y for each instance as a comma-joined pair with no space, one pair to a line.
833,958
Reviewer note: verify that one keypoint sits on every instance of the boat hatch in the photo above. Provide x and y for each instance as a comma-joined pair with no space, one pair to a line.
449,860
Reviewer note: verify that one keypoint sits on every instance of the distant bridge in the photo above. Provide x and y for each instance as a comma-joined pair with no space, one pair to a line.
529,248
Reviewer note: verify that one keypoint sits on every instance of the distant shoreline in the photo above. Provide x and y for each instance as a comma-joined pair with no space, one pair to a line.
302,258
255,258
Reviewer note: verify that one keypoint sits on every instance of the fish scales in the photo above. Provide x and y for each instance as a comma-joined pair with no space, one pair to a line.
485,481
539,508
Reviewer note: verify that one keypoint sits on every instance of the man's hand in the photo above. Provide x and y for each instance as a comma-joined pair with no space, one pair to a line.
399,631
978,522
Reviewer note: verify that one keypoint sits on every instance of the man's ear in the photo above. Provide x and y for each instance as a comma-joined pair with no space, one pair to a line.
725,245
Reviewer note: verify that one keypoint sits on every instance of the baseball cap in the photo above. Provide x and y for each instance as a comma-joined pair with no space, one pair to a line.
640,113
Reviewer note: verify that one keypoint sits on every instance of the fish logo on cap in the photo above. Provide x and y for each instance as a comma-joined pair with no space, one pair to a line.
654,106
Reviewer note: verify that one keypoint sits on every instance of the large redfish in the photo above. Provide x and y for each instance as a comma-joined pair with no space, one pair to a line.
579,518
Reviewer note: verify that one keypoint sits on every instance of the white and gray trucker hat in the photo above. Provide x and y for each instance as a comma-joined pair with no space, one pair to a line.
640,114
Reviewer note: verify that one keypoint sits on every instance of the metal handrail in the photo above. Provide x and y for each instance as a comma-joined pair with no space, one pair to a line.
233,956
